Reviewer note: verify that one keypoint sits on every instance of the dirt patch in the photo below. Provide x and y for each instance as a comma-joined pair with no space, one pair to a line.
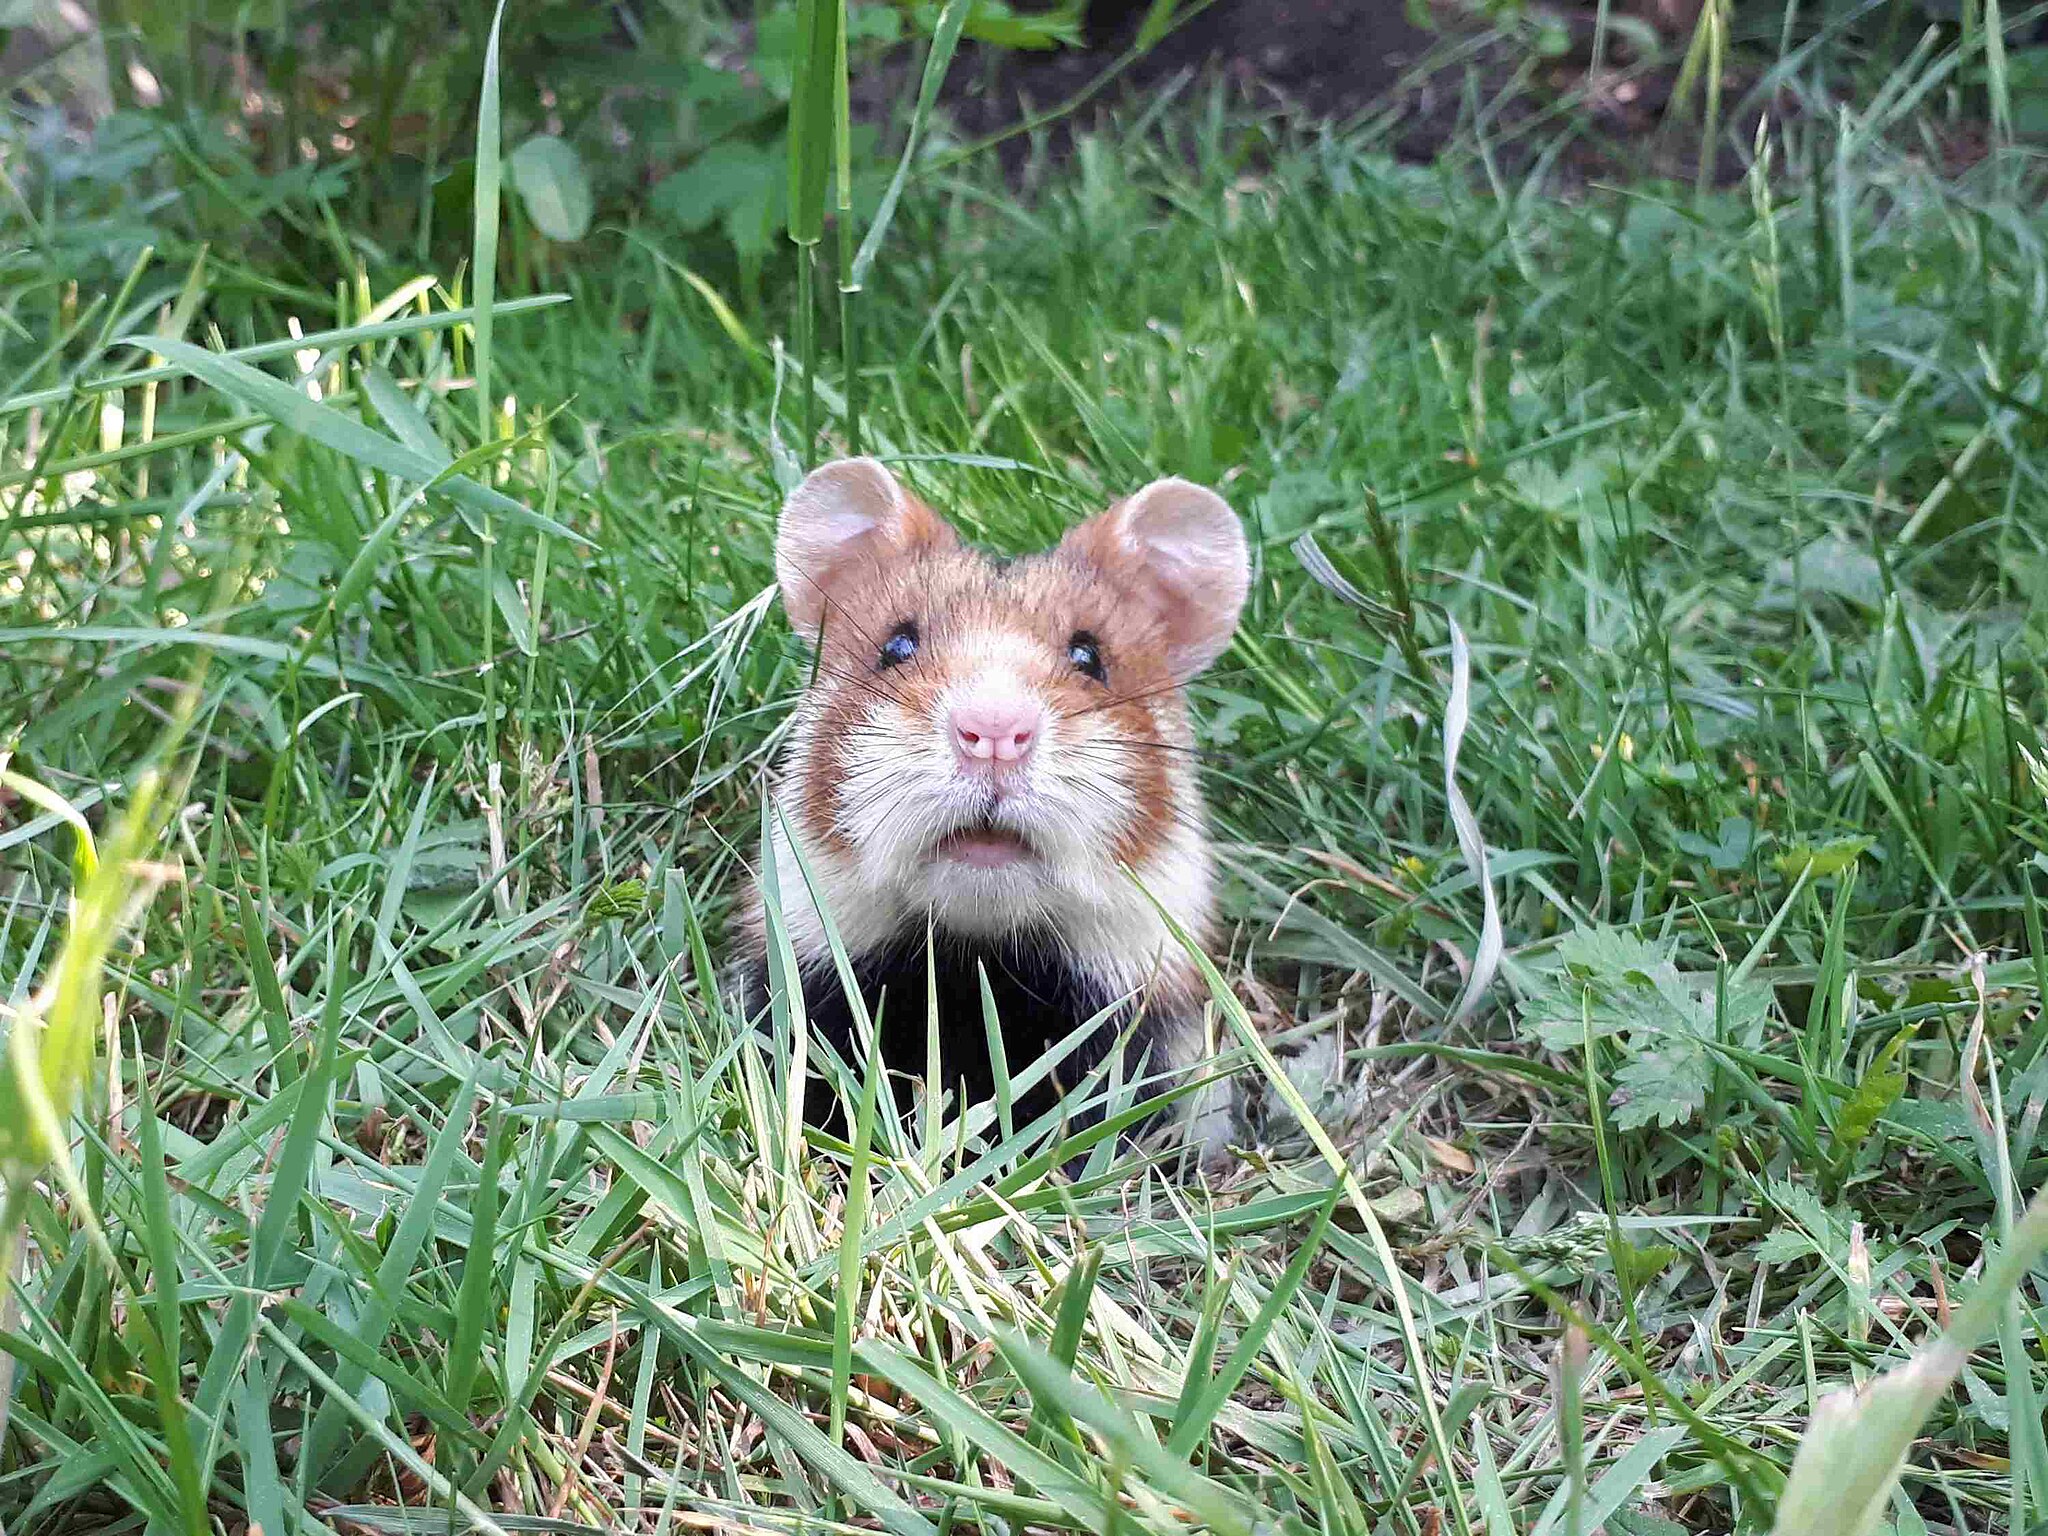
1583,119
1344,60
1320,59
1330,58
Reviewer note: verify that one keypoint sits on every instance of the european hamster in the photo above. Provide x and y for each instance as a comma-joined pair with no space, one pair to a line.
984,745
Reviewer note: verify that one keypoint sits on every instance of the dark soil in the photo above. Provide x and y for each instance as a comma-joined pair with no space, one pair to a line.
1330,58
1341,60
1318,59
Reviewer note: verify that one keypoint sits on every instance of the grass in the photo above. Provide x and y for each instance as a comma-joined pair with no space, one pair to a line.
435,1182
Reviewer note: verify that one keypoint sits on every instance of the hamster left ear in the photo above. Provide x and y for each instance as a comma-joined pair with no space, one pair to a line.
1179,543
843,526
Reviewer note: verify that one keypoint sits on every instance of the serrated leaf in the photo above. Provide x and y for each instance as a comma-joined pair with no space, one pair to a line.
1784,1245
1603,980
1663,1086
1614,984
623,899
1877,1092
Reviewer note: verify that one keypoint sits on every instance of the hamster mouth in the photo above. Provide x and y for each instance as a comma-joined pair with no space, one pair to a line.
984,845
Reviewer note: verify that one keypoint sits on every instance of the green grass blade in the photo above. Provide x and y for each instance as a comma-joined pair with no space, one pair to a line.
327,342
1851,1455
998,1057
1223,1510
277,1018
846,1300
479,1272
819,23
166,1335
322,423
1192,1424
850,1475
485,193
415,1226
937,60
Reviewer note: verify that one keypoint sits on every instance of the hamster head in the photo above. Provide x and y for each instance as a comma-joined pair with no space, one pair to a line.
992,743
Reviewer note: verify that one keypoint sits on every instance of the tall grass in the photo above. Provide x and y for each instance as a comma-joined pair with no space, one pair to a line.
435,1182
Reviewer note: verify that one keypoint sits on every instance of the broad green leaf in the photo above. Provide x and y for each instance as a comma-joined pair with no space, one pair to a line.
1620,986
548,175
721,179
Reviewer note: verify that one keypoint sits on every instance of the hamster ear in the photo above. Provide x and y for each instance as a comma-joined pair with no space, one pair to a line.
1179,544
848,517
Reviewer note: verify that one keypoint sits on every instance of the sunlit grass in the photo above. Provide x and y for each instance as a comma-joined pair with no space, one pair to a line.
434,1172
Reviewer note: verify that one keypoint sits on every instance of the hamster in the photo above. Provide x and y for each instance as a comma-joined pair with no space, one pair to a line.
984,747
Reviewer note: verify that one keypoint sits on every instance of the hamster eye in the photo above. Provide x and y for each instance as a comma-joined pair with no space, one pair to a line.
901,644
1085,652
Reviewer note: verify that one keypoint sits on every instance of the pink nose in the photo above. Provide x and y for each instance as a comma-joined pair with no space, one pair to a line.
996,733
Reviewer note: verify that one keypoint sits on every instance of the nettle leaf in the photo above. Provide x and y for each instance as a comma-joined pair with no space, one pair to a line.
1879,1089
1666,1086
1603,980
1808,1227
1618,985
1783,1245
620,901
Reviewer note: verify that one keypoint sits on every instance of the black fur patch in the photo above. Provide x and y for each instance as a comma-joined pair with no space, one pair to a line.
1039,998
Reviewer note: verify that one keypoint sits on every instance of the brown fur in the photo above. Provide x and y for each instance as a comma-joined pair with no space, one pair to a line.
877,792
950,590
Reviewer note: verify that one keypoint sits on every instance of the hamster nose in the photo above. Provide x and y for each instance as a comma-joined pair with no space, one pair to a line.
995,735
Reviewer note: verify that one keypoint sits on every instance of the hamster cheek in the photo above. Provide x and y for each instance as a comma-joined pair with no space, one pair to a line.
896,796
1084,795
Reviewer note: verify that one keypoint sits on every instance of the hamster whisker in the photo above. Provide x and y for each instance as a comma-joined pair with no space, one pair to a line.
1117,744
874,564
1178,814
1172,686
871,684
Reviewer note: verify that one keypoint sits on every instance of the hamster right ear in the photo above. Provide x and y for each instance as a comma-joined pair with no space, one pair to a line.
1178,548
848,517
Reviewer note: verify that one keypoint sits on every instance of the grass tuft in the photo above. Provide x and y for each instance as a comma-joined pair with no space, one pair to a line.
423,1176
